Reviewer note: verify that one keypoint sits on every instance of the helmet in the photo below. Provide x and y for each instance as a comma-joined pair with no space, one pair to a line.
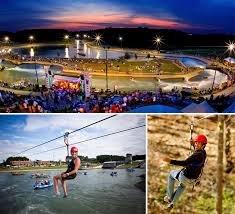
73,149
201,139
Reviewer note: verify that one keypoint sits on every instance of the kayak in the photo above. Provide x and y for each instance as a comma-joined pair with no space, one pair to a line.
113,174
40,186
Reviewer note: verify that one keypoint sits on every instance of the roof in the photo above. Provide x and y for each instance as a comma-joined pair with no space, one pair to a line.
202,107
155,109
230,109
66,78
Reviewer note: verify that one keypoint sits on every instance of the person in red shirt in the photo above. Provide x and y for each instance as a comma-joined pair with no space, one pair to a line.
70,173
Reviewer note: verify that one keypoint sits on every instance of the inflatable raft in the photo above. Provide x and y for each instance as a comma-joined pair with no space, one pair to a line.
42,186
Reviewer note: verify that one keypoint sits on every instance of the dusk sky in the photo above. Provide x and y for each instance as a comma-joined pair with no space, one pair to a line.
20,132
196,16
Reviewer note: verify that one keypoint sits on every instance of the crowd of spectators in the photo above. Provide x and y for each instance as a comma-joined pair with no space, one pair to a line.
61,100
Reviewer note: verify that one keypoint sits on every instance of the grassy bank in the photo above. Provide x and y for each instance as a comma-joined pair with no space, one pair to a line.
28,169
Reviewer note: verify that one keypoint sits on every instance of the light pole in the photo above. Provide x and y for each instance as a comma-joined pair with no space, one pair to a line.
66,38
98,39
231,48
106,65
120,39
212,88
157,40
6,39
31,38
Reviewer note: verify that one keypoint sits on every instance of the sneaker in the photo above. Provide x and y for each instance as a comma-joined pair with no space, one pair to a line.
170,206
57,193
65,196
167,199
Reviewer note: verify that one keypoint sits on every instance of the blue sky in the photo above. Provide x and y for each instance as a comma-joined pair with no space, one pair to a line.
202,16
19,132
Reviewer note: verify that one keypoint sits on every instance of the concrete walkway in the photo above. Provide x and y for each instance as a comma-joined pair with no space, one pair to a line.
20,92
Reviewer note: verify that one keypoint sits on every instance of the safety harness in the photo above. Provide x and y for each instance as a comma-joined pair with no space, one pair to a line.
66,141
197,181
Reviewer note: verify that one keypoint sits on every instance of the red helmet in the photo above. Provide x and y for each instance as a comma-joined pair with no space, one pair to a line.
201,138
73,149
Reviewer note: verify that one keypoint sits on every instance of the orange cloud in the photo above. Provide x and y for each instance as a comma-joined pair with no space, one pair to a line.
159,23
94,20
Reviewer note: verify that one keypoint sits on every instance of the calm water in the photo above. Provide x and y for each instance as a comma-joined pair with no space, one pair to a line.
96,192
71,51
189,62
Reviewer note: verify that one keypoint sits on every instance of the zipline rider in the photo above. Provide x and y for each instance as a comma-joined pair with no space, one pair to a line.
70,173
190,174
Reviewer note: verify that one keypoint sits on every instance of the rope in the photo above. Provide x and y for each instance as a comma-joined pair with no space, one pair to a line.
94,138
191,134
63,135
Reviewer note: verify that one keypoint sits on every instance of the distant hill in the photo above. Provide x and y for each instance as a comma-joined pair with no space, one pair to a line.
143,38
132,37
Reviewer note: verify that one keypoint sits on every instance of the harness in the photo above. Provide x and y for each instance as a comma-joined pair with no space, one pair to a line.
197,180
66,141
191,136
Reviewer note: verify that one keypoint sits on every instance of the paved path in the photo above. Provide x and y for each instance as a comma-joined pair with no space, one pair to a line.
21,92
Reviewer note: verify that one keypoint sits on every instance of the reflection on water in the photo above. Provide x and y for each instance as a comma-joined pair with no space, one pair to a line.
189,62
96,192
202,81
77,44
98,54
66,53
31,52
78,47
27,68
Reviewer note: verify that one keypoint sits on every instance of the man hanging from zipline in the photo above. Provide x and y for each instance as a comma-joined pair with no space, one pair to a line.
190,174
70,173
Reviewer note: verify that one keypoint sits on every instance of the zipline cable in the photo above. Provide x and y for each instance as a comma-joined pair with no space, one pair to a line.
68,133
94,138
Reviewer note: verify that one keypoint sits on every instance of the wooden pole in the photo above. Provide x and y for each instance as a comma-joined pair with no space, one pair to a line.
220,167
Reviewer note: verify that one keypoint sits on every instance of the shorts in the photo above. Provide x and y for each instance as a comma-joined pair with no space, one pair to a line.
69,177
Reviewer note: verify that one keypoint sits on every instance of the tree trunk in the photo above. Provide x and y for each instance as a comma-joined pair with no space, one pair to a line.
228,153
220,170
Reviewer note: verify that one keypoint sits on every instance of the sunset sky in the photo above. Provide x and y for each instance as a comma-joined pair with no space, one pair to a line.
199,16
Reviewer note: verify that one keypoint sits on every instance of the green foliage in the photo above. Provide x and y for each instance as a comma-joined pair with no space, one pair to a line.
229,201
206,202
104,158
138,157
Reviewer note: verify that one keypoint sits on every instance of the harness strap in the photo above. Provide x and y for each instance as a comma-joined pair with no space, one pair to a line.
178,174
191,136
66,141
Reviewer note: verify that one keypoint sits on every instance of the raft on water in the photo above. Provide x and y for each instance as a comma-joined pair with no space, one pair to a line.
113,174
42,186
17,173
